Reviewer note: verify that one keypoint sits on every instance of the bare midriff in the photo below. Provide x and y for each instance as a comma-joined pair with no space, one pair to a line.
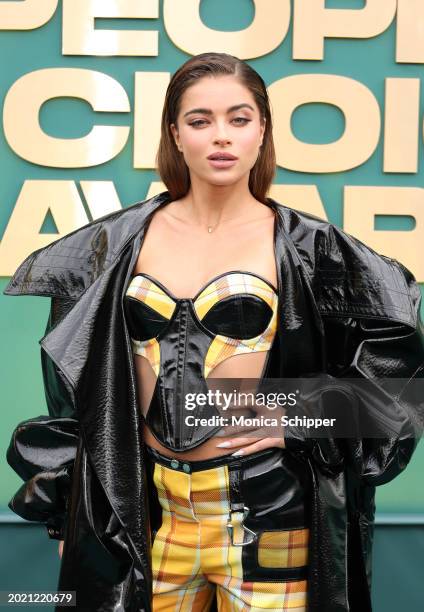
206,450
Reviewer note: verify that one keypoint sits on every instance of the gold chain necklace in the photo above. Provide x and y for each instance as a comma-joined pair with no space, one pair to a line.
212,227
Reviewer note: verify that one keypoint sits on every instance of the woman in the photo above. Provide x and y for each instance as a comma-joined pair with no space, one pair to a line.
213,280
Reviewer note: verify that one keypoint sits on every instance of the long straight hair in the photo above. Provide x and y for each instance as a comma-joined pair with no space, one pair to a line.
170,163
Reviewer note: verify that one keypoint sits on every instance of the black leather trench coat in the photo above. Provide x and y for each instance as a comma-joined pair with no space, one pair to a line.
344,310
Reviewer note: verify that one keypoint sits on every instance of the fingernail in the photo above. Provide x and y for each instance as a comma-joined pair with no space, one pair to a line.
237,453
223,445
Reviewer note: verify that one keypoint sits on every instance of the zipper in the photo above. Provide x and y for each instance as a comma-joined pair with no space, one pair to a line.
182,349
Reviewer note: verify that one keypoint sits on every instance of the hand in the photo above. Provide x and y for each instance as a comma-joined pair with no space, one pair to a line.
267,436
250,447
61,542
257,428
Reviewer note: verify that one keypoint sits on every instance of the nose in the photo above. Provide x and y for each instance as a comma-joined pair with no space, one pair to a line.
221,136
222,141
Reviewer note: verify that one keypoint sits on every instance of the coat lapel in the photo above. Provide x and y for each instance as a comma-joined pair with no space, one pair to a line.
300,328
301,353
69,266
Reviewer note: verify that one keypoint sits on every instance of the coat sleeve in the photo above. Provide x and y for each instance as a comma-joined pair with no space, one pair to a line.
373,385
42,449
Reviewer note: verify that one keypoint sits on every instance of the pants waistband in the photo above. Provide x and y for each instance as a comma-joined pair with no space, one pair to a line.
188,467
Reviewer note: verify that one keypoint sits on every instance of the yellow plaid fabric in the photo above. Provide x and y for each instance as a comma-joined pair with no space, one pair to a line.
283,548
145,290
192,555
222,347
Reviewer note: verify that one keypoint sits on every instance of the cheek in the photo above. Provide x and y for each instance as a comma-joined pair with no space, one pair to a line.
250,140
195,142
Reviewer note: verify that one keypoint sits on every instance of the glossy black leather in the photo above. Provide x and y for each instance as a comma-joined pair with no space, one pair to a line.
42,451
184,341
242,316
285,487
343,308
237,316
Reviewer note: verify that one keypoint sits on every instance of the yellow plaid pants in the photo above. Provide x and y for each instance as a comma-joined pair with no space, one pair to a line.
193,555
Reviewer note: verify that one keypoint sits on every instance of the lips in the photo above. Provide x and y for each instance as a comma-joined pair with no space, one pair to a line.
222,156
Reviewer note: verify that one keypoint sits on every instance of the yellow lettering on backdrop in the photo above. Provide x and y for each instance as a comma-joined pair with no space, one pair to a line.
401,125
401,128
21,236
155,188
313,23
21,117
101,197
188,32
361,204
149,94
301,197
356,101
26,14
409,32
81,38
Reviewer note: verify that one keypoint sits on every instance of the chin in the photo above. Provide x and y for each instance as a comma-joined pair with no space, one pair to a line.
223,182
213,178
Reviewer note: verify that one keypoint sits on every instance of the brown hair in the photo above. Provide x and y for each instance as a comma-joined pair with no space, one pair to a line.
170,163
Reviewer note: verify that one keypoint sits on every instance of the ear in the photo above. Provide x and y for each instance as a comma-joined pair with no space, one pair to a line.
175,134
263,125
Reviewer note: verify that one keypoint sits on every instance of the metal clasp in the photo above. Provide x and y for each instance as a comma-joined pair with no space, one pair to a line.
230,529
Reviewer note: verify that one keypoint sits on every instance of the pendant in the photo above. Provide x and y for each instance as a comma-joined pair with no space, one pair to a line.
209,228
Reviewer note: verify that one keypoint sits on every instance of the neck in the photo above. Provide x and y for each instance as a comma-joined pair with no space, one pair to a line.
207,205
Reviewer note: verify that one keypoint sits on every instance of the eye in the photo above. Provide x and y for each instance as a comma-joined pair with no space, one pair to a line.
238,316
143,322
243,119
197,122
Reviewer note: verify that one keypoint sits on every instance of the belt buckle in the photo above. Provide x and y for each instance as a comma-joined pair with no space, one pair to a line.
230,528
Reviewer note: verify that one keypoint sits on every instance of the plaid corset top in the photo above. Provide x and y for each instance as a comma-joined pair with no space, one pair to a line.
184,339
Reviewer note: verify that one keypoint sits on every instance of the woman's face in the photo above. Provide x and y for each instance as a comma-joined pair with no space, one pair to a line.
207,124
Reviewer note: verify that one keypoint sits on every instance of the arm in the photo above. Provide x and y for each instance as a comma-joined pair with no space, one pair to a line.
42,449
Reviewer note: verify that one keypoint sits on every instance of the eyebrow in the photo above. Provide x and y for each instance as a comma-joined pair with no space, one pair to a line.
207,111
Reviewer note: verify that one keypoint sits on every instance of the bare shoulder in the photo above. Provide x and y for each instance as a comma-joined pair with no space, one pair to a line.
169,214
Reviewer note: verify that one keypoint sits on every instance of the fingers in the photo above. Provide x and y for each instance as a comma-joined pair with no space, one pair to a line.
237,442
258,446
234,430
250,447
247,430
254,425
